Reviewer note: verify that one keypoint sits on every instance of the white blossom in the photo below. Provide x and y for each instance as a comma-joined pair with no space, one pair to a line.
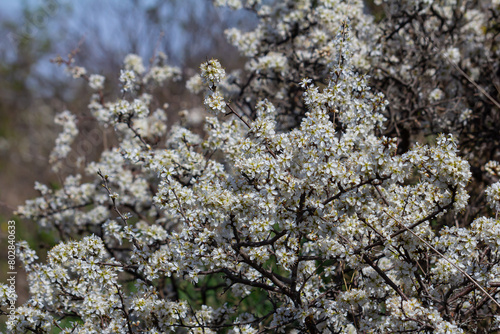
96,81
64,140
290,212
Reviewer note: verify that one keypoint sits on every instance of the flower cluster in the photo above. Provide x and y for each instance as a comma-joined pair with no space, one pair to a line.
493,196
437,64
493,168
128,79
292,212
63,142
96,81
212,72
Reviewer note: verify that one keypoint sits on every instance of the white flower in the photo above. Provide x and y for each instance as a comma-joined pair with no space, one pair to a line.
304,83
96,81
453,54
215,102
134,63
436,95
493,167
493,196
77,71
212,72
65,138
128,79
195,84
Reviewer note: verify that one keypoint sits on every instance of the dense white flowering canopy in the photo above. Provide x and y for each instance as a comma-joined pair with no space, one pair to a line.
321,226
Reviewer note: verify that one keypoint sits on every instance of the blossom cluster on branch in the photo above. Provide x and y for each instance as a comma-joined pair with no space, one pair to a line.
296,210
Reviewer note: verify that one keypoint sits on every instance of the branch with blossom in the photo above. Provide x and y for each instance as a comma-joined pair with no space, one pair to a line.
292,211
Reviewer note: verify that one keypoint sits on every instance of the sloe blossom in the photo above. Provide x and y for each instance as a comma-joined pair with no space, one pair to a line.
294,198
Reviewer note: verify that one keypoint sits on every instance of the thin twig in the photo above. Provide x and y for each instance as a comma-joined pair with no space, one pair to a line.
446,259
481,89
113,198
124,310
